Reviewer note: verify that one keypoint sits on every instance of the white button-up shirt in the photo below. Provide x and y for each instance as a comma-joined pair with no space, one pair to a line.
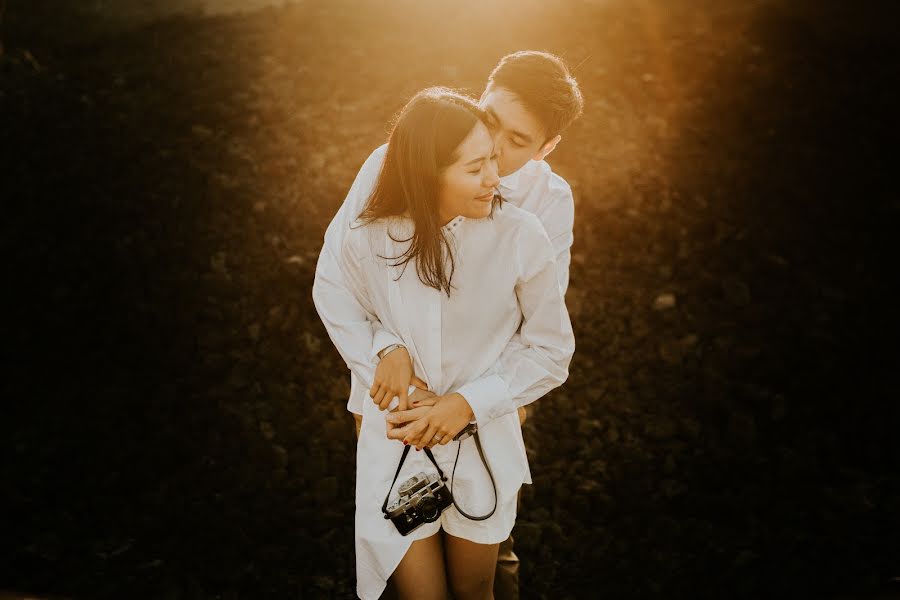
534,188
505,286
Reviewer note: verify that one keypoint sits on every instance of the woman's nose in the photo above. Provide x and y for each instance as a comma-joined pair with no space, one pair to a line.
491,178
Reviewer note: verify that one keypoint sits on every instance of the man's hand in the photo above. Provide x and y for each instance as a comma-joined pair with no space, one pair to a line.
427,426
393,376
418,399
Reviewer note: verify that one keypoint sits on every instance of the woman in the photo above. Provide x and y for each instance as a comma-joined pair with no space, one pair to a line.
470,287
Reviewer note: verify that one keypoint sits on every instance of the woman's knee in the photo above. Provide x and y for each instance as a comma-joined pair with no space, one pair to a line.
470,568
472,586
421,572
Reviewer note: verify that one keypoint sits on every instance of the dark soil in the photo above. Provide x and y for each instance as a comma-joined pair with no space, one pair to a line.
175,422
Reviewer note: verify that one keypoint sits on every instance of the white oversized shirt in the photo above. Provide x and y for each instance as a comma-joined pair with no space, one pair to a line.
534,188
504,286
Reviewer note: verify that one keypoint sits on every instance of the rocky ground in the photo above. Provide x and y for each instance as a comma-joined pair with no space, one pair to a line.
175,422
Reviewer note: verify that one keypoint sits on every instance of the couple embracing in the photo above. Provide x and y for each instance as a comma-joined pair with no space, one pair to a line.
442,284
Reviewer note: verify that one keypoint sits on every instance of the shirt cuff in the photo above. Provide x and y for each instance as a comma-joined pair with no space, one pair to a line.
381,340
488,397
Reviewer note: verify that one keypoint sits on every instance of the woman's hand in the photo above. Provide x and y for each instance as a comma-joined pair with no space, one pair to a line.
393,376
427,426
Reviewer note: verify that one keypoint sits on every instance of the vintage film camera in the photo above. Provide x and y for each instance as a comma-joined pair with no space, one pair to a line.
422,500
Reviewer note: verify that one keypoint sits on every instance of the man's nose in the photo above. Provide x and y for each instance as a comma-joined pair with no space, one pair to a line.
498,145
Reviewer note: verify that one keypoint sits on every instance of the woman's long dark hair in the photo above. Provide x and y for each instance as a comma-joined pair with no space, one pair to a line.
423,143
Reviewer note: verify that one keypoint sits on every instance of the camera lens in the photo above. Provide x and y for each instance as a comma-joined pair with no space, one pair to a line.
428,508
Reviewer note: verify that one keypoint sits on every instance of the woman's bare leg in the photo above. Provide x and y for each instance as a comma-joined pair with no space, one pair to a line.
470,568
421,573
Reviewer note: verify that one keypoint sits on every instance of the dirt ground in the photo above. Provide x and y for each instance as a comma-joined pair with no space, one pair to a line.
175,424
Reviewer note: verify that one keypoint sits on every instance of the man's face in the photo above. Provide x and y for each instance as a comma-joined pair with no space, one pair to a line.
518,135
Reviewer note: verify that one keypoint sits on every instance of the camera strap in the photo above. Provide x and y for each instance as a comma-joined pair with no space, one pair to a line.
397,474
491,475
443,478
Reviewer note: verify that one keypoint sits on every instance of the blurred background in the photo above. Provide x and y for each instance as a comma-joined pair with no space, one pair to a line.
174,421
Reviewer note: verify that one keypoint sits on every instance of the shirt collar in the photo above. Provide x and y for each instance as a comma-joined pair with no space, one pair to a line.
511,182
453,224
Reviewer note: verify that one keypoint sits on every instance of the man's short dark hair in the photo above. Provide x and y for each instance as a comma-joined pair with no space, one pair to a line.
543,85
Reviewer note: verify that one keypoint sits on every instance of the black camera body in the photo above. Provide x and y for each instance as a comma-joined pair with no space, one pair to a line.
422,500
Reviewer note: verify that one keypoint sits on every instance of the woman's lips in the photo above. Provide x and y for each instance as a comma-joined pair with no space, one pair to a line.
486,197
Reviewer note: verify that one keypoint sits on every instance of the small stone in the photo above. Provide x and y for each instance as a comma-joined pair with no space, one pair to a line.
201,131
670,465
671,351
672,488
528,535
275,314
324,582
217,263
779,407
48,546
553,534
328,488
742,427
312,343
736,291
598,467
541,515
664,302
690,340
588,427
691,427
612,434
745,558
660,428
151,564
281,457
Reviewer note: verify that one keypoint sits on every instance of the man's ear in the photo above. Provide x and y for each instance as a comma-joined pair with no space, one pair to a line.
547,148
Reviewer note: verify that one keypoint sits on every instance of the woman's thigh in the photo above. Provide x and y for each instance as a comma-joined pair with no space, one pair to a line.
421,572
470,568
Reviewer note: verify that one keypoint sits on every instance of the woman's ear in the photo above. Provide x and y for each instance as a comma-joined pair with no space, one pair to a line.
547,148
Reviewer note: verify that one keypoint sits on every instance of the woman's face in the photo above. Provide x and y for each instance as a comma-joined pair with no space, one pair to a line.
467,186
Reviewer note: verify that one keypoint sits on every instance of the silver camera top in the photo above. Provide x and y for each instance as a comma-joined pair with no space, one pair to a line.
417,485
413,484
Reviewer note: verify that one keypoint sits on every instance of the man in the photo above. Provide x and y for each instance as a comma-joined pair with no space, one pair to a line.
530,98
